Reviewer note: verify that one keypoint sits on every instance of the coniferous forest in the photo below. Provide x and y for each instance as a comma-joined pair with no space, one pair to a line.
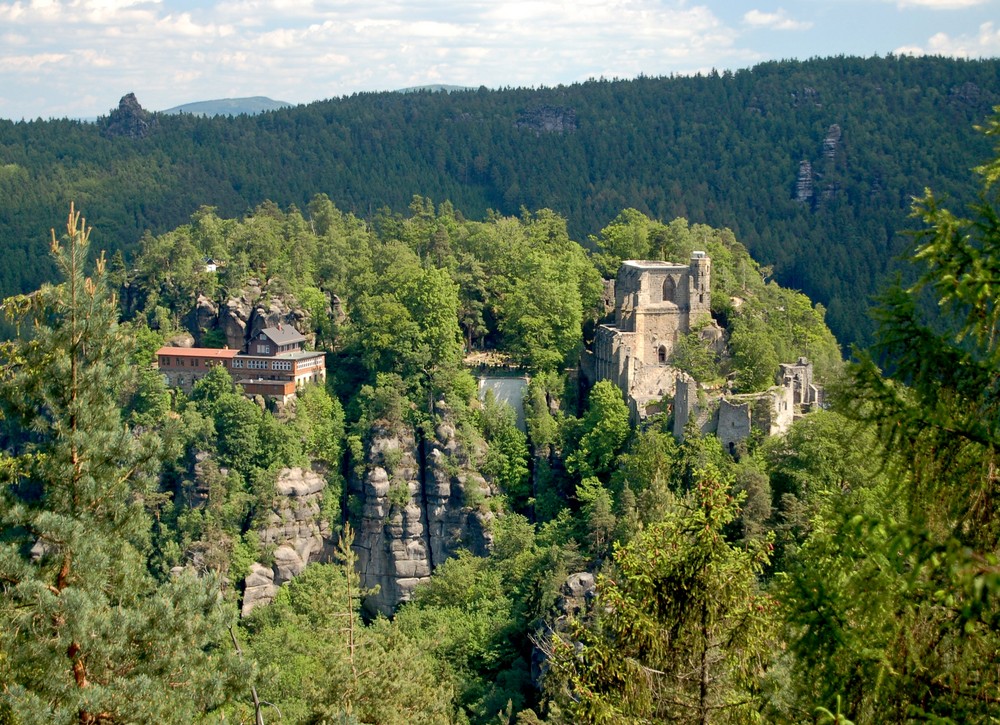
812,164
396,545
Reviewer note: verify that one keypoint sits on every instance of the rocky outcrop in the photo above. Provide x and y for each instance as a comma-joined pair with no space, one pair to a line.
129,120
831,141
421,502
202,318
547,119
241,317
181,339
295,531
576,594
392,541
804,182
453,493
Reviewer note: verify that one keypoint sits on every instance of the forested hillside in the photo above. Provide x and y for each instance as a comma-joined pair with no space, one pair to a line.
156,547
812,164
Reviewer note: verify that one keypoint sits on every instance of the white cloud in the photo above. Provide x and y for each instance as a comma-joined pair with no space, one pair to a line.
24,63
777,20
941,4
185,25
984,44
171,51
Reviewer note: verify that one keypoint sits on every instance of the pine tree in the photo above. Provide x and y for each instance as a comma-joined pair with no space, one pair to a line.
89,635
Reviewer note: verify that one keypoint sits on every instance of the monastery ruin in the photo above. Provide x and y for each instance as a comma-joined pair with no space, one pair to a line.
656,303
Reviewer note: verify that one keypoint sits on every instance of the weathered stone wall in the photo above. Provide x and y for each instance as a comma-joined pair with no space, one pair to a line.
733,417
734,422
655,303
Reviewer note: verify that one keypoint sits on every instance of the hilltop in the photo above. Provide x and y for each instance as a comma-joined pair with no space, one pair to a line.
229,106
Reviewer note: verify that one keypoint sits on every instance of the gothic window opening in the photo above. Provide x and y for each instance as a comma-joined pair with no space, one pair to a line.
661,355
669,289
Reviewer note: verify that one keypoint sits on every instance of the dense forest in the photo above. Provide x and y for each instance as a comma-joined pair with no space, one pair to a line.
813,164
593,570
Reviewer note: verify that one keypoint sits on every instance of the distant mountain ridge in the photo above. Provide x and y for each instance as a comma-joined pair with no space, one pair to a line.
229,106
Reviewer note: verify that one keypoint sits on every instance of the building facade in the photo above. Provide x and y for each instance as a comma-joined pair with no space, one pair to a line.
273,364
655,304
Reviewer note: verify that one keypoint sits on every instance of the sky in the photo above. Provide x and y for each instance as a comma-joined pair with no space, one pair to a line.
77,58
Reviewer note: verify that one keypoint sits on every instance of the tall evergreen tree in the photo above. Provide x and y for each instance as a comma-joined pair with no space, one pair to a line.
90,636
896,607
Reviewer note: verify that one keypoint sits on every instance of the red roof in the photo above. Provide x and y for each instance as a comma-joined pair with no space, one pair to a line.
211,352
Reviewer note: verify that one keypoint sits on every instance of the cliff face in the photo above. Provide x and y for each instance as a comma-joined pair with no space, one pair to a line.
241,317
421,501
296,531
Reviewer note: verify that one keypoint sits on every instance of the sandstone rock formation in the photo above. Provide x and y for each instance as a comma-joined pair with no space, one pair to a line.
804,182
296,531
241,317
420,504
129,120
547,119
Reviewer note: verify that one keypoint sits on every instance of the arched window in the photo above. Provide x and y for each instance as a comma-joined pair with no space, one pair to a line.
669,289
661,355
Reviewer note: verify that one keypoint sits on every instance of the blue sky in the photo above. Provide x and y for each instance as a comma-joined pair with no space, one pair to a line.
76,58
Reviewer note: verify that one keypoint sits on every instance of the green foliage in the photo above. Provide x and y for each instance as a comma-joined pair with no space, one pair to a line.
89,633
476,615
754,356
506,461
598,519
642,480
399,494
903,624
693,355
319,662
679,631
319,421
601,434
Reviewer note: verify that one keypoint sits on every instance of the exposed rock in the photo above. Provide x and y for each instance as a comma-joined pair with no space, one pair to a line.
297,531
452,492
831,141
577,593
129,120
202,318
714,336
807,95
299,482
967,94
414,518
804,183
241,317
181,339
337,309
233,322
391,541
277,312
547,119
259,588
607,299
